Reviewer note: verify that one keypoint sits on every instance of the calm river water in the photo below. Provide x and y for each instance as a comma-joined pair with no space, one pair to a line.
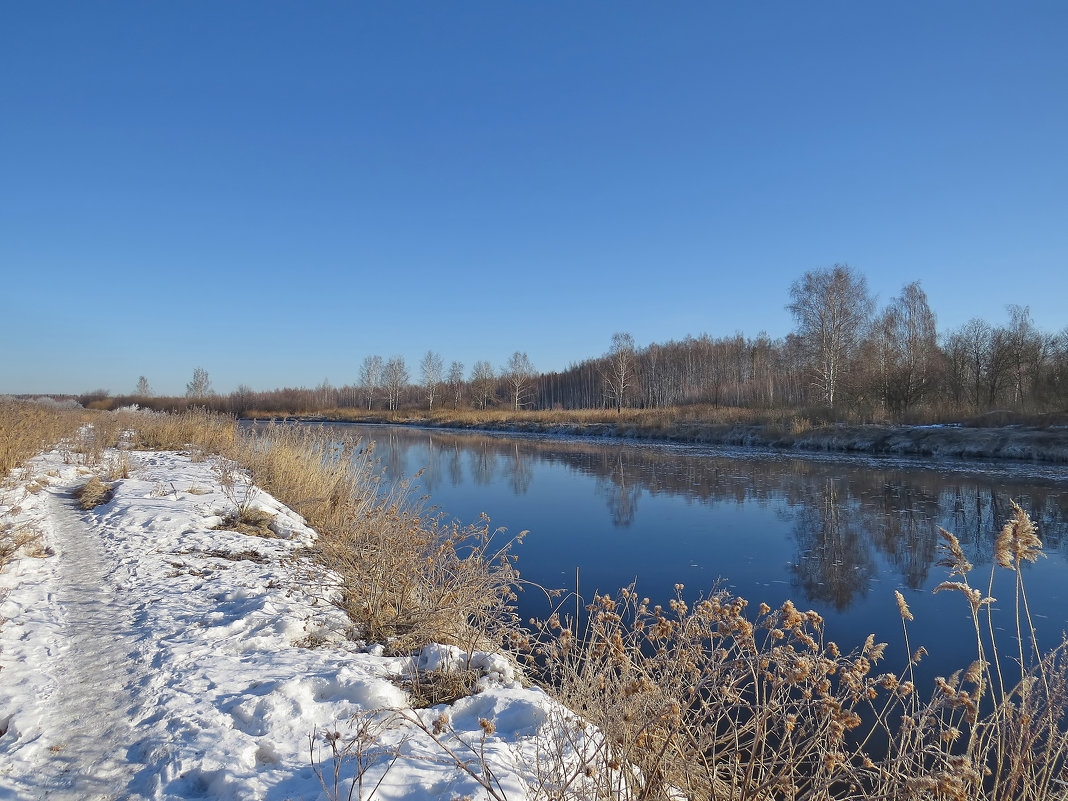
837,534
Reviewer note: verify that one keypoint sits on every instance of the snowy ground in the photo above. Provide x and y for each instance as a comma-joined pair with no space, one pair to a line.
146,655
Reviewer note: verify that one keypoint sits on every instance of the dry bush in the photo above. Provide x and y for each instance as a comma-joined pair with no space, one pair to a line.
93,493
119,466
428,688
704,701
408,580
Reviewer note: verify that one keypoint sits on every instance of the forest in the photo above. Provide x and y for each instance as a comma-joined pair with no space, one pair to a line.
845,359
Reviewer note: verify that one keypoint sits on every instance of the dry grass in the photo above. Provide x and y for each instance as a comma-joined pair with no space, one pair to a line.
93,493
404,576
14,540
408,580
26,429
198,431
252,522
659,420
713,703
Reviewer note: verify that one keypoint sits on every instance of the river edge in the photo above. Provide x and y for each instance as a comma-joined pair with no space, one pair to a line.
954,441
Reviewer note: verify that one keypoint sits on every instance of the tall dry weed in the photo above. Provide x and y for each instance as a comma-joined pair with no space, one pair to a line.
404,575
27,428
199,431
706,701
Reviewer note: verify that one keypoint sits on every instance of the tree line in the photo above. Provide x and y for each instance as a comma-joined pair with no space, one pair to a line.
845,357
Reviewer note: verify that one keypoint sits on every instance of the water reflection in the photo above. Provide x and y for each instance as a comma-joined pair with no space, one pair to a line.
850,521
622,497
834,562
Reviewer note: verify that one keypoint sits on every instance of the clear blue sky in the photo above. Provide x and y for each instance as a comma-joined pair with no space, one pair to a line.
273,190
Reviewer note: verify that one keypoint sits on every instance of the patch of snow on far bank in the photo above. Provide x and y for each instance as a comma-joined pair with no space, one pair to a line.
151,656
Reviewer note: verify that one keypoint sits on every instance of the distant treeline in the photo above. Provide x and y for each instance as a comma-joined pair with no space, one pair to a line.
845,360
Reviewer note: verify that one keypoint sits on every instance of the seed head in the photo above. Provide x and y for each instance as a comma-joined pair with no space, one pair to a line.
903,607
1018,541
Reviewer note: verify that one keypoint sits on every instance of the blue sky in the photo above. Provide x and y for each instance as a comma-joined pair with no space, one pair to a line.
274,190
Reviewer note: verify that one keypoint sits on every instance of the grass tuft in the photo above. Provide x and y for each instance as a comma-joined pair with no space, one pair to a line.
93,493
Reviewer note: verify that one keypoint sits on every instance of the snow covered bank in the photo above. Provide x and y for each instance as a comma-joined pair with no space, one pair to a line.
148,655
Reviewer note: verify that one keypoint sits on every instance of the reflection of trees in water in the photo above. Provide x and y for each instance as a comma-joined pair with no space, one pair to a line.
483,463
455,461
975,514
518,470
622,495
395,459
900,518
431,465
834,562
846,516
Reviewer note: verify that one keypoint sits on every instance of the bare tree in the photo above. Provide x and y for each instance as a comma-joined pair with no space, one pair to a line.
200,385
241,399
981,360
430,372
908,348
619,372
143,389
395,379
1027,350
483,383
455,381
370,377
520,375
832,308
326,396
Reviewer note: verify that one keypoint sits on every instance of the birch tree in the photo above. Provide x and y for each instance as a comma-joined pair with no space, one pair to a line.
483,383
620,370
520,376
455,381
832,308
200,385
909,348
430,372
370,377
394,379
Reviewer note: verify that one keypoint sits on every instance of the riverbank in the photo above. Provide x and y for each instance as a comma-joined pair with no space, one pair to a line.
1044,440
152,648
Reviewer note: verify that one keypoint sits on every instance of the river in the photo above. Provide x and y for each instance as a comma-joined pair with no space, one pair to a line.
837,534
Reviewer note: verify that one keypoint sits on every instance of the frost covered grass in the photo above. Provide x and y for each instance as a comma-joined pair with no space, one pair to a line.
708,701
404,575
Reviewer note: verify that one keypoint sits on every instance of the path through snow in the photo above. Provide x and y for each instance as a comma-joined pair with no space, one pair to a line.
100,678
154,657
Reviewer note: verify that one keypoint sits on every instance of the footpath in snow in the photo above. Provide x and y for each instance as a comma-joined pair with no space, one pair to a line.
146,654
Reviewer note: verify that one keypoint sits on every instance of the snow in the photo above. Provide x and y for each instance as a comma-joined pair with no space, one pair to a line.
147,655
